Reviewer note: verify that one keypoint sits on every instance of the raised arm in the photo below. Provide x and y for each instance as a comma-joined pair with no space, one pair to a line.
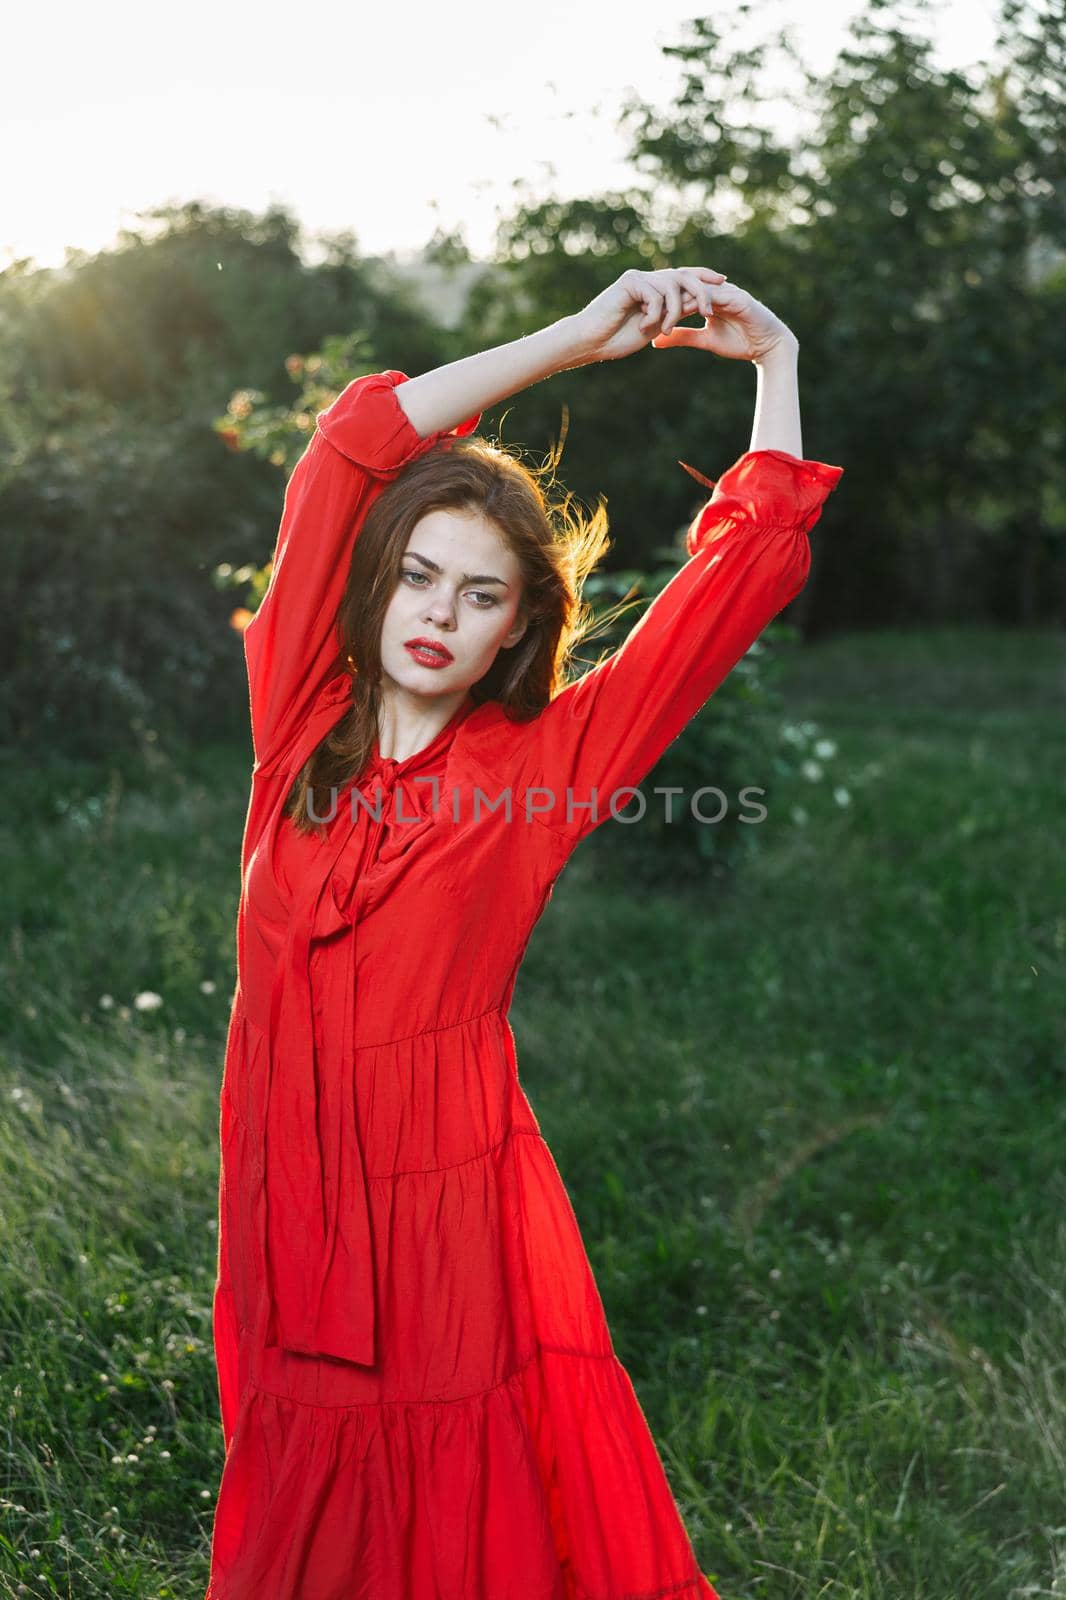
361,441
606,329
749,557
375,427
602,734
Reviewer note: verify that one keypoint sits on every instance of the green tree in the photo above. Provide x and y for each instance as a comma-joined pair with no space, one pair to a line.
911,233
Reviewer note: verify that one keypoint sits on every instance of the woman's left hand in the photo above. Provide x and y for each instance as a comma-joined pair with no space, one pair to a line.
741,328
630,312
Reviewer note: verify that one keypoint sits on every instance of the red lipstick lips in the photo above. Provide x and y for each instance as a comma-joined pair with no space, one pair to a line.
428,652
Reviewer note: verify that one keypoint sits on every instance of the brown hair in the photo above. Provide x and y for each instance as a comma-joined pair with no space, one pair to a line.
556,548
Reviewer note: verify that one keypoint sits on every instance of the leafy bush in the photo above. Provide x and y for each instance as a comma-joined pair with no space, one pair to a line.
113,630
724,762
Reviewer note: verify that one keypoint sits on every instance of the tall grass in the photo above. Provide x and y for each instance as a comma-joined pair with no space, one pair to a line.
812,1120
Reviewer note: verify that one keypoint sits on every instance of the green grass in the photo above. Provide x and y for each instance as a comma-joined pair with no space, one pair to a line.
812,1120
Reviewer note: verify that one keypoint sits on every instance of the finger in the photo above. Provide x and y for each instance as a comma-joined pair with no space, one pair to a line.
689,336
699,299
673,315
653,308
699,282
708,274
691,291
729,300
702,290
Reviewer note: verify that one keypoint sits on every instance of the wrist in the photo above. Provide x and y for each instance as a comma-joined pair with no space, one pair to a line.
784,352
553,348
567,340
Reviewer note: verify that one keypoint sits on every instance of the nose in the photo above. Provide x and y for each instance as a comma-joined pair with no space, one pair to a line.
441,613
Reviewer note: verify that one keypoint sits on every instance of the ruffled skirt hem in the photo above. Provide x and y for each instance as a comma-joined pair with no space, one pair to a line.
546,1486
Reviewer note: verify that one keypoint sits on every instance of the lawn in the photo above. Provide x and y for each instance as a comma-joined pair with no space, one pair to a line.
812,1119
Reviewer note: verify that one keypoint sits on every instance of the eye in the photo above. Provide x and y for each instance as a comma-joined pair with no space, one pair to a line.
483,598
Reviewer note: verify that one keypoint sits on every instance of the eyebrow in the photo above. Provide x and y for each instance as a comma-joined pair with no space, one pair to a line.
466,577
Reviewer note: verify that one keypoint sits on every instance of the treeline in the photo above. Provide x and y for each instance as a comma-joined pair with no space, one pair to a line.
912,234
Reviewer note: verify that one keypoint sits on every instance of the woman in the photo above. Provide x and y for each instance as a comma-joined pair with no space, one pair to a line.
420,1398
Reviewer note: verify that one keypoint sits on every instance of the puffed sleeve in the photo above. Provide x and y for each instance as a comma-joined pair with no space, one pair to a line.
749,555
291,648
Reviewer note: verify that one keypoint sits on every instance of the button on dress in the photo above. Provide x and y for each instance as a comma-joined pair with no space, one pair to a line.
419,1395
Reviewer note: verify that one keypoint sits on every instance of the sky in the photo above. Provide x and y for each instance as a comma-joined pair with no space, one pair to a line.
388,121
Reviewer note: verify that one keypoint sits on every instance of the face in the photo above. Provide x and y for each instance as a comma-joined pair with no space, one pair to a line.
460,588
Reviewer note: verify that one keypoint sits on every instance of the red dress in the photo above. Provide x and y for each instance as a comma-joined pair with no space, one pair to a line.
419,1395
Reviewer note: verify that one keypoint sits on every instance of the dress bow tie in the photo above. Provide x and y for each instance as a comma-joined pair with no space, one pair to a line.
318,1227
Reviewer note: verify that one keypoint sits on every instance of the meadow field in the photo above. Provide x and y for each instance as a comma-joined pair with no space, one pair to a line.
812,1119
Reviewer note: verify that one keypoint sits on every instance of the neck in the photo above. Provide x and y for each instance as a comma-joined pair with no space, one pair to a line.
407,723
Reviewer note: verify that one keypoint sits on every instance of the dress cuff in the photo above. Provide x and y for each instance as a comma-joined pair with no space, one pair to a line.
367,424
770,487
